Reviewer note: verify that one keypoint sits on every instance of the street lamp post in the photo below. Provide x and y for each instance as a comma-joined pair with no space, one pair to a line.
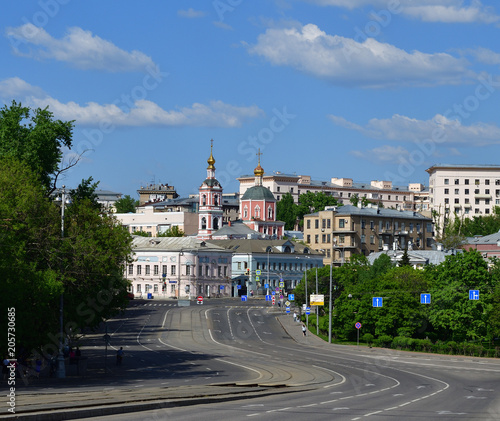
61,369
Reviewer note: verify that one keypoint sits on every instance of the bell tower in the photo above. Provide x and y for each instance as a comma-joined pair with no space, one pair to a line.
210,202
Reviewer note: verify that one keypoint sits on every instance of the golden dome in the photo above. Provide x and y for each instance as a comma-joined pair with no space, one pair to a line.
258,171
211,159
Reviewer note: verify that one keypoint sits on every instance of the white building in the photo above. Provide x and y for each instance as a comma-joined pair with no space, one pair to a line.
463,190
148,220
178,267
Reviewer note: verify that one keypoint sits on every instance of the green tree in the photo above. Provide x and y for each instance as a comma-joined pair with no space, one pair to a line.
35,138
174,231
405,259
86,191
286,211
126,204
452,314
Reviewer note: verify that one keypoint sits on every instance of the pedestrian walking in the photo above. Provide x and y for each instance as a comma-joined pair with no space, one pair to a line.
294,316
119,356
304,329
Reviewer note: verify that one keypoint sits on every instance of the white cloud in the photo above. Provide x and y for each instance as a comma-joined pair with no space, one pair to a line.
447,11
385,154
484,55
143,113
345,61
438,130
191,13
79,48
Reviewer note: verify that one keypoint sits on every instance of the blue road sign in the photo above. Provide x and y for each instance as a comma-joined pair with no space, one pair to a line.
268,297
357,325
377,301
425,298
273,292
291,297
221,287
244,298
266,285
238,286
257,272
288,309
308,310
474,294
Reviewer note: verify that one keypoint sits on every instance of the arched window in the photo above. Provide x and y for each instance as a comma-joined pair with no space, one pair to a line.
203,200
270,212
245,212
257,211
203,223
216,200
215,223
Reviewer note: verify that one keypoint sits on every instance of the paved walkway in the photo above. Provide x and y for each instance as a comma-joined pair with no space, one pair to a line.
36,402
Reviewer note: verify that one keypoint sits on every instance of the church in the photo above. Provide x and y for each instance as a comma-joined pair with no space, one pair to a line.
257,210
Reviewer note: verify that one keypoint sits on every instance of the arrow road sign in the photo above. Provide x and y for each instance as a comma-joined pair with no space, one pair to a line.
425,298
377,301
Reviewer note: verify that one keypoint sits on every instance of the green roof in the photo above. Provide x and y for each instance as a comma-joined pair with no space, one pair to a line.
211,182
258,193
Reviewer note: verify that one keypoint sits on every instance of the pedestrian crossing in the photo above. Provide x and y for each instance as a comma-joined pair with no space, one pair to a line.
153,305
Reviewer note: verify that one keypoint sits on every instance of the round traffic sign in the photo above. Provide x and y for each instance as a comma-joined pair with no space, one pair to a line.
357,325
200,299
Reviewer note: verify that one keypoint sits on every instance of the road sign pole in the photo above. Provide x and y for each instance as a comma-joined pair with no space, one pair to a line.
358,337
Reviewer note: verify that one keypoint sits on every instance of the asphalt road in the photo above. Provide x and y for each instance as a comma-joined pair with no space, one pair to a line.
231,342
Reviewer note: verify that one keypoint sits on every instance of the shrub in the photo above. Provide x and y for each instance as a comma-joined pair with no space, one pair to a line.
383,341
368,338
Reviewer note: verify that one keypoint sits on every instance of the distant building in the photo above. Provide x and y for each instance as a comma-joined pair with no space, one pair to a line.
258,208
148,219
418,258
463,190
487,245
340,232
156,193
178,267
260,262
412,197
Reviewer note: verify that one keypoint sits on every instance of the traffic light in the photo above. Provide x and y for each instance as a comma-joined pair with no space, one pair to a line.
247,271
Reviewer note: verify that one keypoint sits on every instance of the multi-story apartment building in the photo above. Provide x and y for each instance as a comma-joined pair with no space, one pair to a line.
340,232
463,191
411,197
156,193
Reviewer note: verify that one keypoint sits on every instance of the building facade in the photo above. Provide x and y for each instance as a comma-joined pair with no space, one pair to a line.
178,268
340,232
411,197
463,191
156,193
258,208
261,266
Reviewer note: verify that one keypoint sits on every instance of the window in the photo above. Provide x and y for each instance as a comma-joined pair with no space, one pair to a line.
487,182
164,269
486,211
147,270
239,265
446,201
245,212
172,270
487,191
156,269
308,238
446,181
278,188
476,191
446,191
316,238
363,239
130,269
341,223
487,201
466,181
476,182
466,191
203,223
323,223
207,271
323,238
219,271
363,224
372,239
328,223
457,181
188,270
457,200
476,210
497,182
372,225
308,224
138,288
155,288
457,191
139,270
466,201
316,223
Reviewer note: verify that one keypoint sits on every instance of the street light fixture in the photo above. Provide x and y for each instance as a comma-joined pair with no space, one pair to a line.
61,369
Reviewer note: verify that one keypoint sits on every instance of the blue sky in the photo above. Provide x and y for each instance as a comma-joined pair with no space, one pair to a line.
364,89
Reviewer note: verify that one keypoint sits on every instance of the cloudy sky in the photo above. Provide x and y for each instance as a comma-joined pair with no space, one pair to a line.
365,89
